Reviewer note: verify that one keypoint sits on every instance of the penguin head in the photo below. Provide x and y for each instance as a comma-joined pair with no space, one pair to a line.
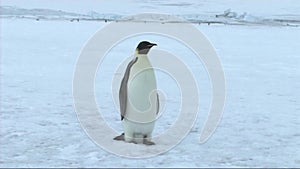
144,47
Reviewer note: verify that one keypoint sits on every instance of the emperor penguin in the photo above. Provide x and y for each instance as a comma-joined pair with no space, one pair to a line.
138,97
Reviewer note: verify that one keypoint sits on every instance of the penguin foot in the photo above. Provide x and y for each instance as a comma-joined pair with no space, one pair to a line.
148,143
120,137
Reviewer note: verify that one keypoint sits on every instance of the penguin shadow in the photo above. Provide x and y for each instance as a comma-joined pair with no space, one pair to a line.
144,140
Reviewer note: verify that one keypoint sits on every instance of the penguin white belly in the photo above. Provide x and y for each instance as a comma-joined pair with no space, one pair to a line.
142,102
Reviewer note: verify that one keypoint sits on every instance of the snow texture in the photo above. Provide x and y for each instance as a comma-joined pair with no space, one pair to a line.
258,45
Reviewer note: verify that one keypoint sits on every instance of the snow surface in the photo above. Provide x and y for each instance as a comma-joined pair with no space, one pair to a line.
231,12
260,125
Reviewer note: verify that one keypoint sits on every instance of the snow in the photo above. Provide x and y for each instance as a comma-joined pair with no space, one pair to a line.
284,13
260,126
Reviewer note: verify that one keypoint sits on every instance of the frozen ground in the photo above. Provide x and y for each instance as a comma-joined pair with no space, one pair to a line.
260,125
229,12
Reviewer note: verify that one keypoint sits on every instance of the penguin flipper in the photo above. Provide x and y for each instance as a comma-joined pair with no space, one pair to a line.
123,89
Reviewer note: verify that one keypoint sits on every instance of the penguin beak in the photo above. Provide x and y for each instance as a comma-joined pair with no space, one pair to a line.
152,44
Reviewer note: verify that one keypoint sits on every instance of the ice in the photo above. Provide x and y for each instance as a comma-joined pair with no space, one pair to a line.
260,125
194,12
